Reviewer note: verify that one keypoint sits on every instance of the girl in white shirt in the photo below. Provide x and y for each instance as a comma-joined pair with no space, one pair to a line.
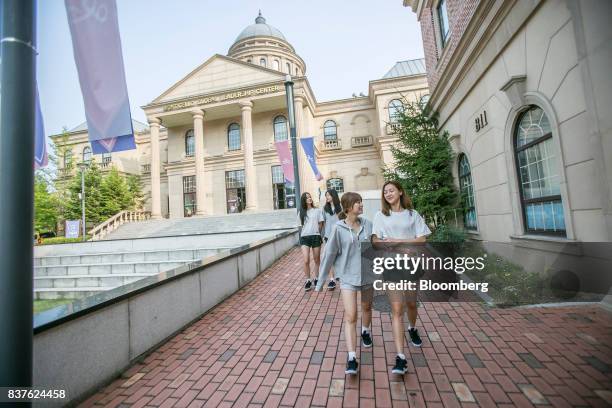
398,222
331,209
311,219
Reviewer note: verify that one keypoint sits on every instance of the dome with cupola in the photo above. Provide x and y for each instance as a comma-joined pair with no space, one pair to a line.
265,45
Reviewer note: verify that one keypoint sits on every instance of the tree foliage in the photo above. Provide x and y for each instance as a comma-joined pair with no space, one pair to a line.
46,211
423,160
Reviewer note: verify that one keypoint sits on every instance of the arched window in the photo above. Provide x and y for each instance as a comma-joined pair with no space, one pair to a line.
423,100
87,154
467,193
296,71
330,130
288,68
262,62
276,65
67,159
233,137
336,184
538,174
189,143
395,110
280,128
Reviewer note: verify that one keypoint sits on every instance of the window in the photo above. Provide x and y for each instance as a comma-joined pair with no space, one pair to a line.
233,137
189,143
538,175
288,68
262,62
276,65
443,22
283,194
235,191
296,71
87,154
280,128
336,184
67,159
106,158
189,196
423,100
330,130
467,193
396,107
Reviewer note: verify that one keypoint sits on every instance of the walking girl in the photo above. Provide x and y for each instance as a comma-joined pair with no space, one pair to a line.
398,222
343,251
311,219
330,211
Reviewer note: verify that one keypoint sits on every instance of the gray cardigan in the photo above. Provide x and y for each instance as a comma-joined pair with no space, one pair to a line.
343,251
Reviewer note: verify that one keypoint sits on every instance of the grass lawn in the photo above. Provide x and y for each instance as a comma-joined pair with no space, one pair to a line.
42,305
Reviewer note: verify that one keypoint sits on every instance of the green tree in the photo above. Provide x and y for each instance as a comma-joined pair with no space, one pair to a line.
93,197
46,211
115,194
423,160
135,189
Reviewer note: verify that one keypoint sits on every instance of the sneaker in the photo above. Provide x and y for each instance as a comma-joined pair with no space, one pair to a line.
331,285
415,339
315,282
400,367
337,279
352,366
308,285
366,339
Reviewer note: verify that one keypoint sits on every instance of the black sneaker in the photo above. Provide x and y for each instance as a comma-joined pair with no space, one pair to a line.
352,366
401,366
366,339
331,285
308,285
315,282
415,339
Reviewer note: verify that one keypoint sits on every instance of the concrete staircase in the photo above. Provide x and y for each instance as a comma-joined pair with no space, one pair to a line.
77,276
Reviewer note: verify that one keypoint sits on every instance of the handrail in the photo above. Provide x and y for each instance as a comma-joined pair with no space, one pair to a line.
114,222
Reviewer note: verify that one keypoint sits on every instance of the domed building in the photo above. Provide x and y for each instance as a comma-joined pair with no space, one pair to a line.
209,147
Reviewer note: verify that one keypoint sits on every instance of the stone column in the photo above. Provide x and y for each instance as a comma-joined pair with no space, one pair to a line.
198,132
249,163
155,169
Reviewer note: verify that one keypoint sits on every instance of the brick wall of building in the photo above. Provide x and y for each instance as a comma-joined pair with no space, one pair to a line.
460,13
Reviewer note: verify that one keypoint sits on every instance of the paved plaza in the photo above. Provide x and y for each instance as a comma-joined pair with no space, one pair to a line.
271,344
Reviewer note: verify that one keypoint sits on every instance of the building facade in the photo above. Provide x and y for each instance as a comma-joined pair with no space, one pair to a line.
524,90
209,146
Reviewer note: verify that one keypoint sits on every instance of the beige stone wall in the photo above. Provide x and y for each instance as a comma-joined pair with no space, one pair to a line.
546,52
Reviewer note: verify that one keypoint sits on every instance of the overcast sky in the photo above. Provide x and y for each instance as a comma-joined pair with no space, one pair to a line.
344,43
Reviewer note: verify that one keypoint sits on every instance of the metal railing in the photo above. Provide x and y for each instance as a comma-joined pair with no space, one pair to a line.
116,221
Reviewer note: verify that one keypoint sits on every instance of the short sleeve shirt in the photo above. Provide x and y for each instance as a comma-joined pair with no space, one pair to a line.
403,224
311,222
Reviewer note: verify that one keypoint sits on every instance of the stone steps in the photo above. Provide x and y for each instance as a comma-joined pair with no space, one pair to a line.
68,293
146,267
87,281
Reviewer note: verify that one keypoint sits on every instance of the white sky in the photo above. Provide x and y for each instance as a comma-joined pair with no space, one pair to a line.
344,43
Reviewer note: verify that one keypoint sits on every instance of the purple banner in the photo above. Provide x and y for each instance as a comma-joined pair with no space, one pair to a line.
40,143
308,146
284,156
97,52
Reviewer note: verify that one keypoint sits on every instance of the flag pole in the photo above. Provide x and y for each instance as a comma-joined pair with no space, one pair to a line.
17,127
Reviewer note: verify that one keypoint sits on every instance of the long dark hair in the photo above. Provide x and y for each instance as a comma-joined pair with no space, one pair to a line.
304,206
348,201
335,200
405,201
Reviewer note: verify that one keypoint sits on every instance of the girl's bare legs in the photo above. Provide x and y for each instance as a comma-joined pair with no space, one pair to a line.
411,307
306,260
396,299
316,255
366,307
349,299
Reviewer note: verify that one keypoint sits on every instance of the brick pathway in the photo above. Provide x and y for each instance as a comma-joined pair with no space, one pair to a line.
272,344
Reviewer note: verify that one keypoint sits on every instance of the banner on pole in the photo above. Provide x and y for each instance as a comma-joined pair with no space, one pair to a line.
284,156
308,146
73,228
97,52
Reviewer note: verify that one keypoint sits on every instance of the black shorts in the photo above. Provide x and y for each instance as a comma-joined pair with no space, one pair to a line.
312,241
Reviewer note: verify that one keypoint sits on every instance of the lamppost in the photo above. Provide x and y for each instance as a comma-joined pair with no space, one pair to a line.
294,155
83,166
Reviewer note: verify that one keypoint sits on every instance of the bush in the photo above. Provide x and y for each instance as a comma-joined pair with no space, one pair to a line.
62,240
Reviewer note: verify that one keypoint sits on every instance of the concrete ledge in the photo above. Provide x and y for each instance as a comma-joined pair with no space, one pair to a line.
86,347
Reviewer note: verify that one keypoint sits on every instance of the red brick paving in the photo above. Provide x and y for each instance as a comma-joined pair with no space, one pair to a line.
273,345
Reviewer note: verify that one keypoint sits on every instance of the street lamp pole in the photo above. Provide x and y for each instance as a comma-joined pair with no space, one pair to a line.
83,166
17,117
294,155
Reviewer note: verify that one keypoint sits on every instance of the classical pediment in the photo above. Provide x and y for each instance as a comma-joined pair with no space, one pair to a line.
217,74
